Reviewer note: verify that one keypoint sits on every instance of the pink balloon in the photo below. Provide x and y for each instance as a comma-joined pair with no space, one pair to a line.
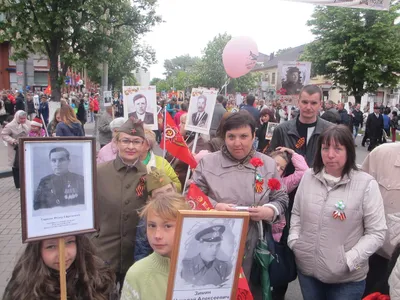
239,56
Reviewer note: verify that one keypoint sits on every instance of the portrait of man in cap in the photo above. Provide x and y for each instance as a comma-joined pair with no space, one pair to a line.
141,113
205,268
292,84
62,188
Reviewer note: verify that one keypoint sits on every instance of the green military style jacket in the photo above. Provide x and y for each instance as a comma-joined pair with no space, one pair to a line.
197,272
59,190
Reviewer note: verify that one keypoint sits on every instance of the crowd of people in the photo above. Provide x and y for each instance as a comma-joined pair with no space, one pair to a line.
329,214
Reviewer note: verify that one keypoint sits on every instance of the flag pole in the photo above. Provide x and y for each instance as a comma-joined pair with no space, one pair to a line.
164,140
196,137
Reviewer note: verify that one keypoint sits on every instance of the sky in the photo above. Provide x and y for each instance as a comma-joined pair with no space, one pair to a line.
190,24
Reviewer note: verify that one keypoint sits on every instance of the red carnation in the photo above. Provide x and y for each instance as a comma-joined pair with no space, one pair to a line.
256,162
274,184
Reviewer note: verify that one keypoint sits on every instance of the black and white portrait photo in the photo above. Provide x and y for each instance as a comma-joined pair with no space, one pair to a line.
58,189
209,254
270,130
201,109
107,98
140,103
293,76
62,187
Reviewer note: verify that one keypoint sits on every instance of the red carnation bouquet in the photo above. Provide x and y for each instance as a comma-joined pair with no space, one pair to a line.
273,183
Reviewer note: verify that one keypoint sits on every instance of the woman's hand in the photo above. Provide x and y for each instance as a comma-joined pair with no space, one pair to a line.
260,213
284,149
225,207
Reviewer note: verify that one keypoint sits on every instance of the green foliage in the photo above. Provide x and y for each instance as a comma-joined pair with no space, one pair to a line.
81,32
183,63
358,49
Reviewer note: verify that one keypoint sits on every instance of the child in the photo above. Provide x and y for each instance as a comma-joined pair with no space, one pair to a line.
36,274
148,278
291,181
36,128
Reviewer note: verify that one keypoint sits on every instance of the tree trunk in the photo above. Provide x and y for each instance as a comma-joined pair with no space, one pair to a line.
55,87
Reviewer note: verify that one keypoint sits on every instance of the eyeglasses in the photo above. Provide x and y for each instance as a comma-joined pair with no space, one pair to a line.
127,142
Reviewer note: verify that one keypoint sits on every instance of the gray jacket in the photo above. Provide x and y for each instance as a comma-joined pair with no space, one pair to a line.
286,135
328,249
219,111
226,181
105,134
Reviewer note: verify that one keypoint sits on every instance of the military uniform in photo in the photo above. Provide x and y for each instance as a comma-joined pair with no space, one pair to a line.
200,272
59,190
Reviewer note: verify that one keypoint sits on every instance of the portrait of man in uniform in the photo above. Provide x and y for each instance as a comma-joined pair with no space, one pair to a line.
200,117
205,268
293,83
140,113
62,188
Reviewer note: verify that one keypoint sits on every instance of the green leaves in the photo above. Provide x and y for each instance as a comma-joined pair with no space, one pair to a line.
356,48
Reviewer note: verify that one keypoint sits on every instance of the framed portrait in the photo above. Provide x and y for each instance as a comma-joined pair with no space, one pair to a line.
140,103
107,98
270,130
207,255
58,187
293,76
201,110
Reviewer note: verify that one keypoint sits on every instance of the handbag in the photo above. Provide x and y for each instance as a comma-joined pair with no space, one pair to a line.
282,269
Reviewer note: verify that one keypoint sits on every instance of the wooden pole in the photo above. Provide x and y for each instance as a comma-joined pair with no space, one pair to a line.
63,271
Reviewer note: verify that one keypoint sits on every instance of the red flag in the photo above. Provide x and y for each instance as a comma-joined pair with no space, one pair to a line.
47,91
175,144
197,199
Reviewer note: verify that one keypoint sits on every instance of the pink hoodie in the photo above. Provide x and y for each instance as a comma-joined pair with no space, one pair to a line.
291,182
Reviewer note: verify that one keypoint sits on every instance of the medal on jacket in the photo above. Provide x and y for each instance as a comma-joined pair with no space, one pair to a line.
140,187
339,212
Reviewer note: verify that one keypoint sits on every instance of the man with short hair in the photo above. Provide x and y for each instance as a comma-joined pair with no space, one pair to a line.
357,120
200,117
140,113
374,128
62,188
250,107
219,112
301,134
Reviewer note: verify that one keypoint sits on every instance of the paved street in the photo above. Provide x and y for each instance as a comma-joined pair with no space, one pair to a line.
10,223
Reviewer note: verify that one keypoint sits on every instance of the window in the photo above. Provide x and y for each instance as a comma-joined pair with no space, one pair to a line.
273,78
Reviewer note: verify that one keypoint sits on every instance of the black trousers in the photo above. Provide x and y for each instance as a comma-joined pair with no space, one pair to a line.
377,270
373,142
15,172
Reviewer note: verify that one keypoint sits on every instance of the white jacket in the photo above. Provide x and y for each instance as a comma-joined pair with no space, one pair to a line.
328,249
393,221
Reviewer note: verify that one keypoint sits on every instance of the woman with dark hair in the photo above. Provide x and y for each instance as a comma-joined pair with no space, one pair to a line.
36,274
266,115
338,221
228,178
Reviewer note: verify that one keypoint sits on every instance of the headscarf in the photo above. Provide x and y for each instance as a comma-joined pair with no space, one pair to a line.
16,123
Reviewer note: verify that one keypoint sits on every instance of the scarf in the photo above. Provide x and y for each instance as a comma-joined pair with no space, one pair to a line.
225,152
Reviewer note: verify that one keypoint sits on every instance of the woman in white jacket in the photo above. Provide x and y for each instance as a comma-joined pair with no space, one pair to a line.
394,233
337,222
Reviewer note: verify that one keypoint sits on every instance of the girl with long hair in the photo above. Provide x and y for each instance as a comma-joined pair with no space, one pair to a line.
51,128
69,125
36,274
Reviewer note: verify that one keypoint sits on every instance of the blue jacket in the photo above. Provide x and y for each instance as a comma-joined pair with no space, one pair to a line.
386,121
63,129
44,111
142,246
253,111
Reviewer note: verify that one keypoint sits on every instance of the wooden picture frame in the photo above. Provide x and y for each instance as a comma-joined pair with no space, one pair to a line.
58,188
217,237
270,130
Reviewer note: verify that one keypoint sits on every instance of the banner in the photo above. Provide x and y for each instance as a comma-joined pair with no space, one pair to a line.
368,4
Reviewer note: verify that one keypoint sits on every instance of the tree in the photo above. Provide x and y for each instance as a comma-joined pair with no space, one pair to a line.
76,30
357,49
183,63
